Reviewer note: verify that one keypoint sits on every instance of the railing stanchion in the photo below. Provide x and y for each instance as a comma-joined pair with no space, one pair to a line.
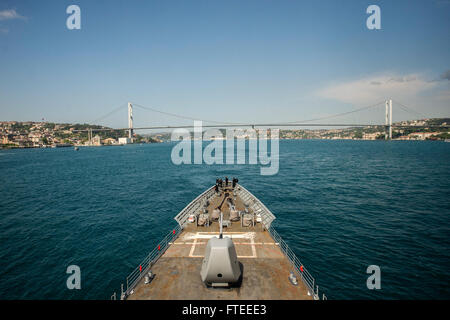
122,294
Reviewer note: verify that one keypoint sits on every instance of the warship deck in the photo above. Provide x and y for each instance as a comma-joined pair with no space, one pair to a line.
266,268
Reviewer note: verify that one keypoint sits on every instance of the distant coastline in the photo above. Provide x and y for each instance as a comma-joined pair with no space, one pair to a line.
17,134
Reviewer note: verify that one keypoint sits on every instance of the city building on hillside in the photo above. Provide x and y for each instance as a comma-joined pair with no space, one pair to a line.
124,140
370,136
96,141
109,141
422,135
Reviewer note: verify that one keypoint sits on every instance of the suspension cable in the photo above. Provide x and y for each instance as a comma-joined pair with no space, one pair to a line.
108,114
408,109
337,115
177,115
234,123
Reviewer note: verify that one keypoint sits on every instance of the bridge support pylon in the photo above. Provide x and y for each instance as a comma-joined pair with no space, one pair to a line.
130,121
388,122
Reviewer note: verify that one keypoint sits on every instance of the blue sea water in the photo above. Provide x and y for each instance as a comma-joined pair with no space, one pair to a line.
340,205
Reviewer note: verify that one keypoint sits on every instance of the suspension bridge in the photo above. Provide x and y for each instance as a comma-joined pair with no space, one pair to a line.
316,122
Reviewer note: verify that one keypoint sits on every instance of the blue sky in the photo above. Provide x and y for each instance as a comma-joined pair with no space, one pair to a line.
231,61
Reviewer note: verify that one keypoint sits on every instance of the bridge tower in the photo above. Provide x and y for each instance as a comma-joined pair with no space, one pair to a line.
388,123
90,136
390,119
130,120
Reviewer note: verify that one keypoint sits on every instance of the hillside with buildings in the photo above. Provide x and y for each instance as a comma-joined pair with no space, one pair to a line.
426,129
14,134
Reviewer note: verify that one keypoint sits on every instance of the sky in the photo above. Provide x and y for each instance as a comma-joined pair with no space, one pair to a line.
229,61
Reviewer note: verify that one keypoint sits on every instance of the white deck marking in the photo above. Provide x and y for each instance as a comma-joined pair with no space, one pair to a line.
209,235
239,243
191,253
253,247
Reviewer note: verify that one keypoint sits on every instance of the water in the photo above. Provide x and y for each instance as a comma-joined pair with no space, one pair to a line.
340,205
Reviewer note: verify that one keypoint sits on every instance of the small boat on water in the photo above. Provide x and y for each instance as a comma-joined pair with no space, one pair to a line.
76,148
223,247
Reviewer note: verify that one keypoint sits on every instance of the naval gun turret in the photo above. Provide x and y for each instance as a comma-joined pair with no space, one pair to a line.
220,267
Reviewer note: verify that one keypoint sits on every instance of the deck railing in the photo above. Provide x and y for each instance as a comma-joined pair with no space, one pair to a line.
306,277
144,267
267,218
257,206
194,206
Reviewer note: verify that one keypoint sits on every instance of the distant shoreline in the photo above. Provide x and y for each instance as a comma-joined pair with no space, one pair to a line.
165,142
16,134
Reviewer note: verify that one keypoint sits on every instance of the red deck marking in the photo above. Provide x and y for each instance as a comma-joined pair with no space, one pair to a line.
301,268
159,247
140,268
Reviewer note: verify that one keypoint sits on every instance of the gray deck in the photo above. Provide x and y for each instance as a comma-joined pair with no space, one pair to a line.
265,267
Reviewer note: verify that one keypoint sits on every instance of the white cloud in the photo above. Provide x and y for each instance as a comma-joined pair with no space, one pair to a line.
372,89
446,75
430,97
10,14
